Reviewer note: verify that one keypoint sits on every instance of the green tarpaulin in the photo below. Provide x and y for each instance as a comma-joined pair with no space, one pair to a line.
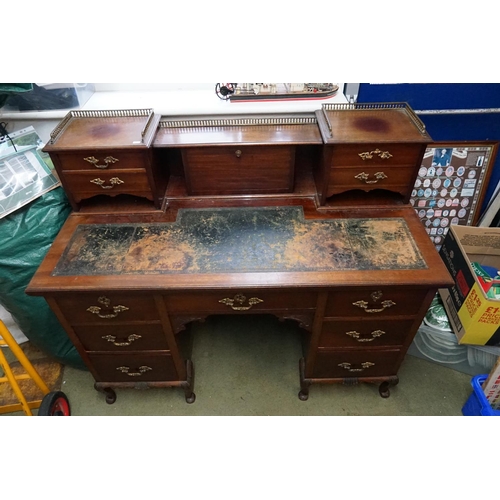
25,238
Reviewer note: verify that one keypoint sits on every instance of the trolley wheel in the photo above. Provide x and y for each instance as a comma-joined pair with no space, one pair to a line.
54,404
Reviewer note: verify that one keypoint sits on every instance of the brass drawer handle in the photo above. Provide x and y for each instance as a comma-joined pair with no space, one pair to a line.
368,155
240,299
136,373
238,153
107,307
363,176
375,296
364,305
123,342
364,366
95,161
357,336
114,181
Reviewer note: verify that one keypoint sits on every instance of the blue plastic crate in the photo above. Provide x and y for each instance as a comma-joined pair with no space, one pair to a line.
477,404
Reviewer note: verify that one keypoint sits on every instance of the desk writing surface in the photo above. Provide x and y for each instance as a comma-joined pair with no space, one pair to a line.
240,240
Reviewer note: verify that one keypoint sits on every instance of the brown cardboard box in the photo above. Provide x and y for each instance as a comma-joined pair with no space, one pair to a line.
474,317
491,387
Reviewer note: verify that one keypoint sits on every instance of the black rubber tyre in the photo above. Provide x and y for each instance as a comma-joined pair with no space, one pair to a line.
54,404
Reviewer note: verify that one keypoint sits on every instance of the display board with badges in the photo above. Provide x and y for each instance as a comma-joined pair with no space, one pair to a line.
450,186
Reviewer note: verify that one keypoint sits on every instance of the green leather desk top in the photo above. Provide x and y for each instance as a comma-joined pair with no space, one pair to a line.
232,240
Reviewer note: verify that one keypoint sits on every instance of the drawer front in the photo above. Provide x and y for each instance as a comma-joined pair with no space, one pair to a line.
102,160
374,303
356,363
112,309
364,333
230,301
368,178
376,155
122,338
90,183
133,368
239,169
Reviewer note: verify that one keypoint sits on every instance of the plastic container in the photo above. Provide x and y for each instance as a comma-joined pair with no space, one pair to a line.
443,348
439,346
50,96
477,405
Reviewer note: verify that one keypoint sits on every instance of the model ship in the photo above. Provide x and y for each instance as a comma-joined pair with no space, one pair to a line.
271,91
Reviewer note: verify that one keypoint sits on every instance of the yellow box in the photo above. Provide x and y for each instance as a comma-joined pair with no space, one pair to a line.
474,317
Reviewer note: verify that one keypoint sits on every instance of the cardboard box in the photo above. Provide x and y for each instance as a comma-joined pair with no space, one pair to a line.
491,387
474,317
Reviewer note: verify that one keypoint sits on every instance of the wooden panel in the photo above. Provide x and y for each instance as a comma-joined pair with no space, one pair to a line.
240,134
133,367
239,169
96,129
367,333
369,126
375,302
378,363
122,338
270,300
121,308
117,160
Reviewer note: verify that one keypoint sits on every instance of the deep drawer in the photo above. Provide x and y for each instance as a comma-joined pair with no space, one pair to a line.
122,338
374,302
364,333
107,308
133,368
239,169
230,301
376,155
102,160
356,363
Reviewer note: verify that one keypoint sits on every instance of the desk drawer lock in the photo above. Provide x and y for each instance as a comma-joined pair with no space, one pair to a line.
237,302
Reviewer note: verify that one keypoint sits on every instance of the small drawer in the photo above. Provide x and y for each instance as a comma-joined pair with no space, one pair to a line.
83,184
356,363
374,302
376,155
133,368
239,169
364,333
107,308
102,160
231,301
122,338
368,178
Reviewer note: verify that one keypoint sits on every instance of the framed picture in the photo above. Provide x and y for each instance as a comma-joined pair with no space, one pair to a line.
451,184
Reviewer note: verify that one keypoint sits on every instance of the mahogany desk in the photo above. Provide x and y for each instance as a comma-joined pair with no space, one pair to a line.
305,217
125,287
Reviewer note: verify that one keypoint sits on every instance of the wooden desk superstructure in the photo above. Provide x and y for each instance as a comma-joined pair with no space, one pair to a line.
246,227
